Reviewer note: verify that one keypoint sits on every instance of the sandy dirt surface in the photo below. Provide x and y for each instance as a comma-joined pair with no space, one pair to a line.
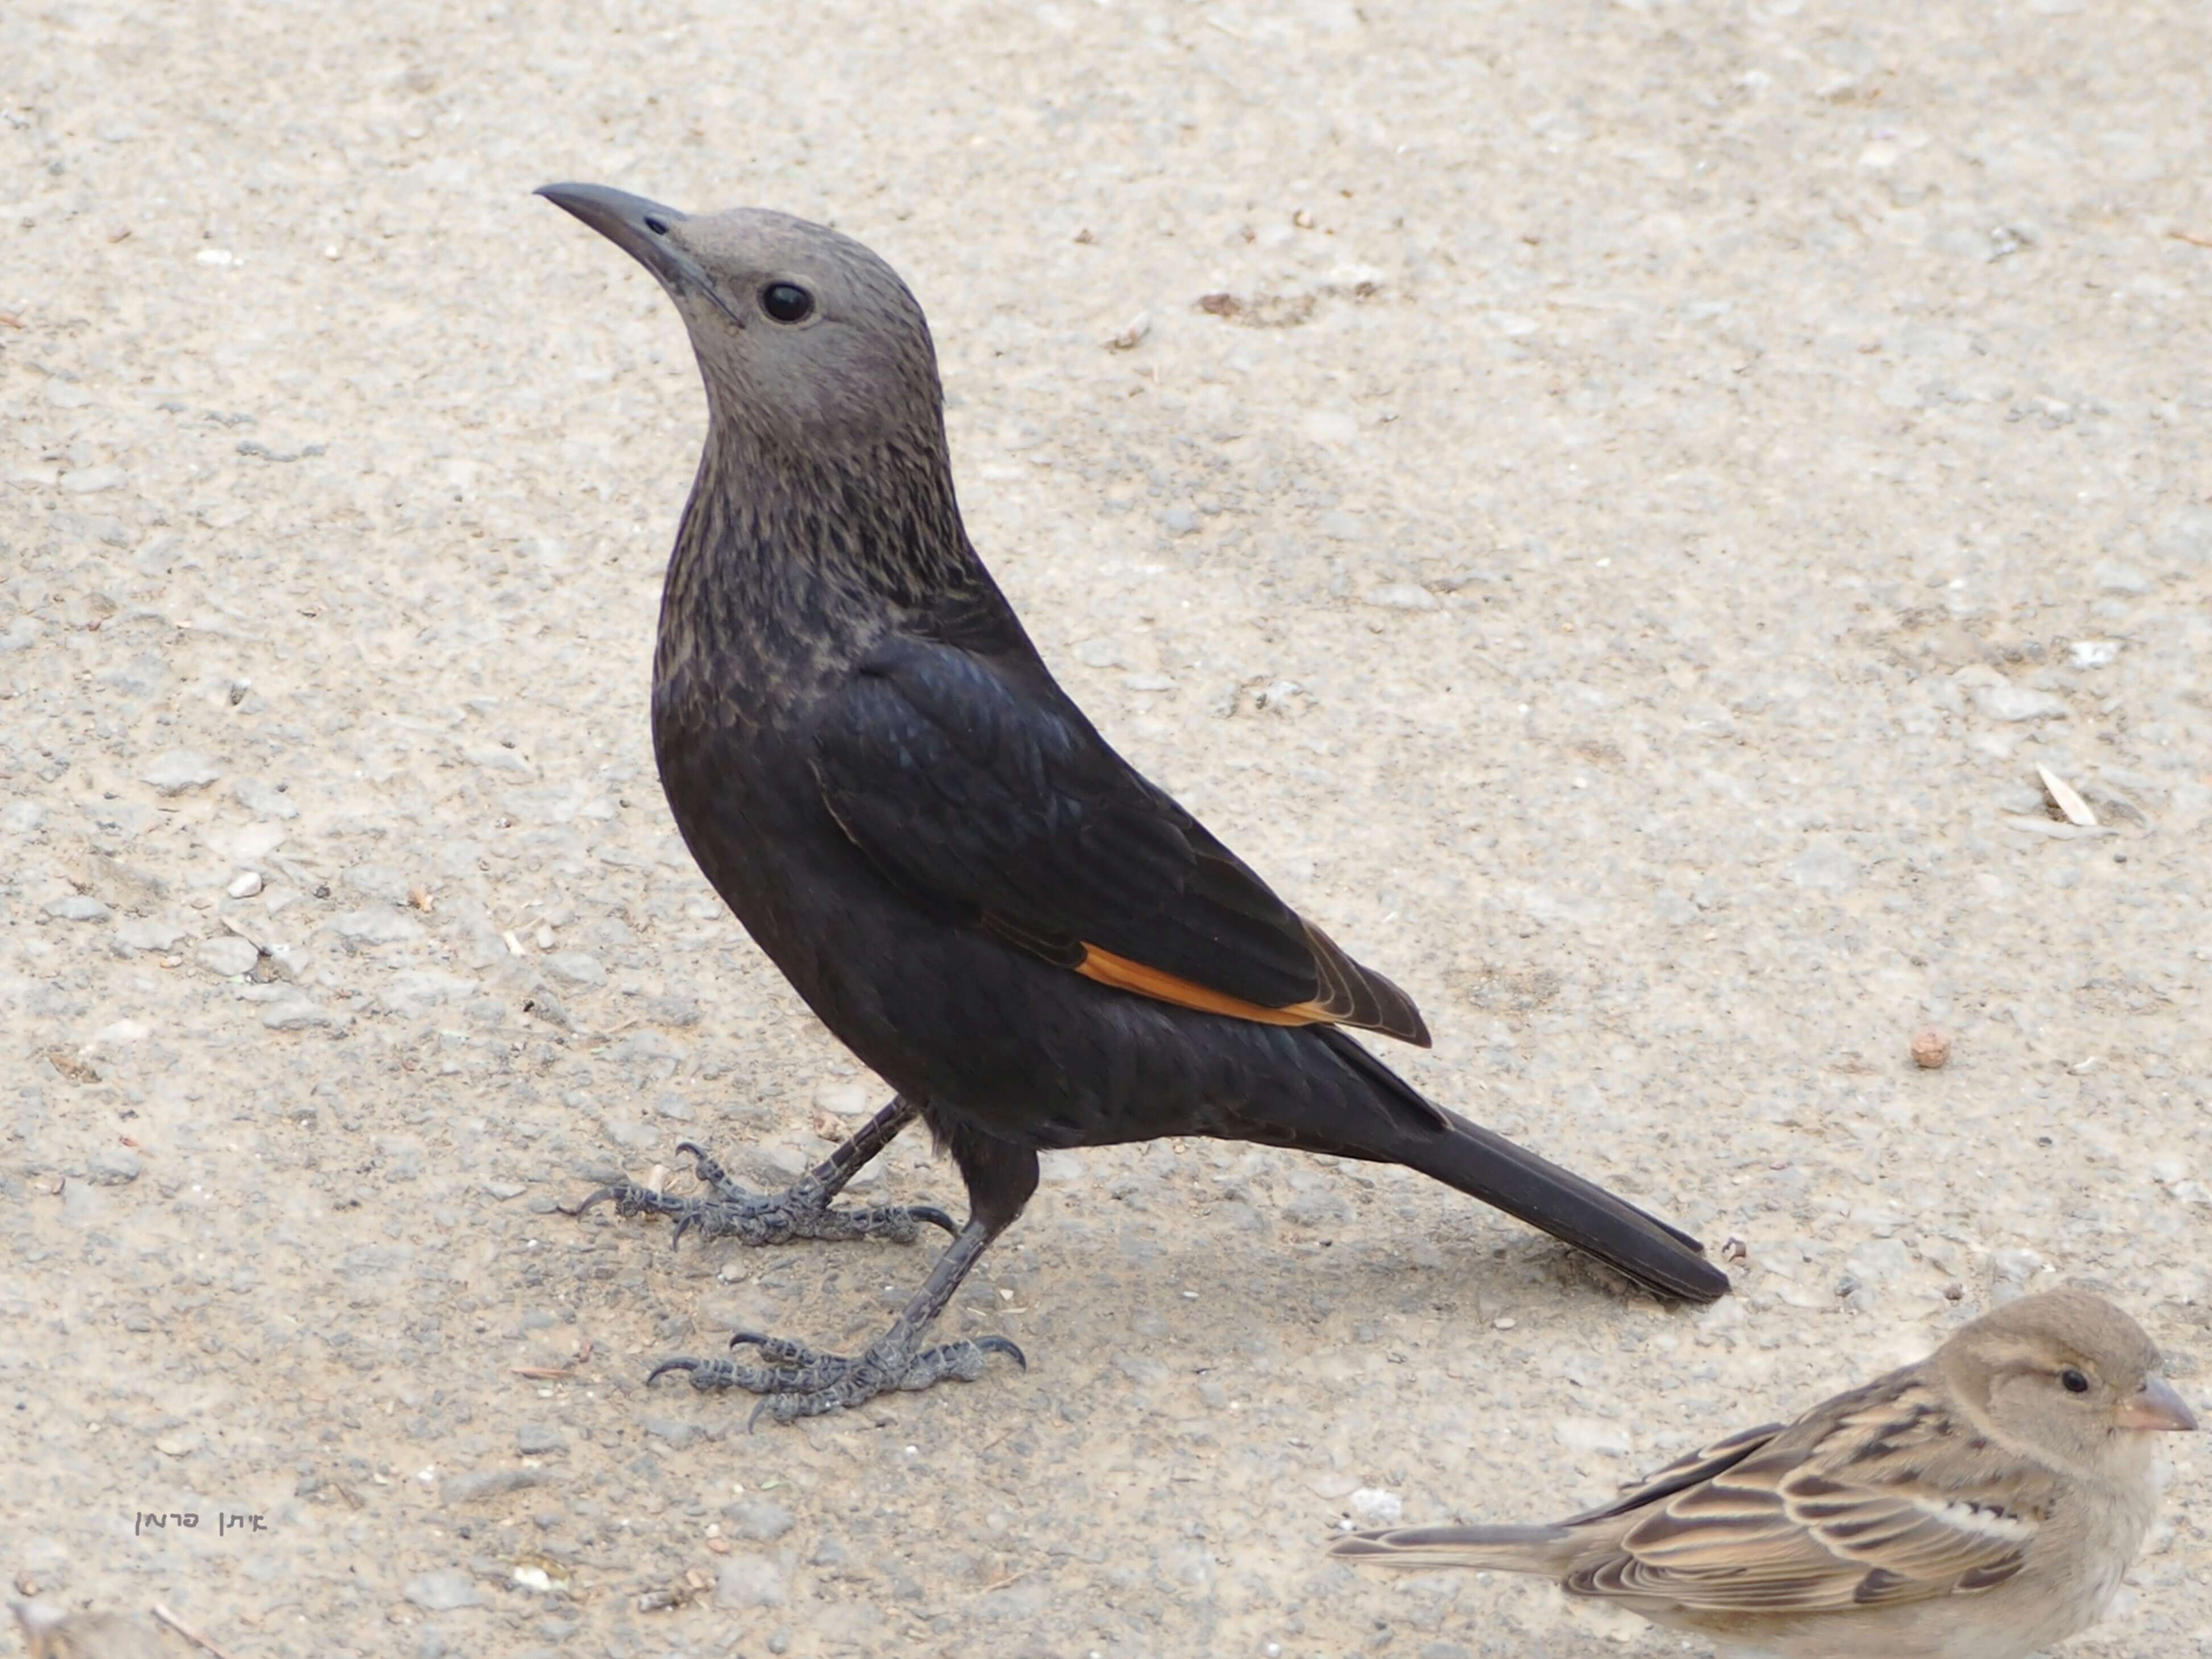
1609,507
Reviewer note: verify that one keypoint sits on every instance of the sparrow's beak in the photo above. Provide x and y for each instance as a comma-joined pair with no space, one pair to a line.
2158,1406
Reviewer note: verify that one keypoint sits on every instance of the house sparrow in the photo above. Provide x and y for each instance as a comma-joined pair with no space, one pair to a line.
1980,1505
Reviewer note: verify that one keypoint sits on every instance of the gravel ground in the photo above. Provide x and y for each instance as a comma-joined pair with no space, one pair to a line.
1609,507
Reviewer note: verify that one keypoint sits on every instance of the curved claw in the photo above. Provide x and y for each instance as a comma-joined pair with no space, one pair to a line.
653,1374
1001,1345
600,1196
704,1169
757,1339
934,1216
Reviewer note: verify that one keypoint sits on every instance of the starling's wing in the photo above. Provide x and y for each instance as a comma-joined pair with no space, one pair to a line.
1876,1498
998,801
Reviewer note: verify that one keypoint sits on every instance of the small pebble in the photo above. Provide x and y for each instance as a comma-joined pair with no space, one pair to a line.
1403,596
378,927
245,884
443,1592
2007,701
1132,335
1592,1434
749,1581
147,934
298,1014
1375,1506
844,1099
1931,1049
1879,1261
181,770
482,1484
758,1519
115,1166
227,957
262,799
576,968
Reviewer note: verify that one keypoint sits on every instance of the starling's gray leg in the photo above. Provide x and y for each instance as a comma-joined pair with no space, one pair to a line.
799,1382
800,1212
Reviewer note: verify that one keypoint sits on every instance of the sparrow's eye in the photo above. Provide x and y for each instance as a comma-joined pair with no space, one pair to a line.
2074,1381
787,302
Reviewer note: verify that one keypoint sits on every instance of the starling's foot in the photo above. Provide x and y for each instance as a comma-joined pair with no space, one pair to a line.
801,1211
797,1381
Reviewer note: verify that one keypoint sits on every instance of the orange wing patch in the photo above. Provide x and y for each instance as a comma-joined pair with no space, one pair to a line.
1127,975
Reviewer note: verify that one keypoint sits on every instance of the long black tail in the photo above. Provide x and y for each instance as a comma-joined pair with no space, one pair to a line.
1484,1164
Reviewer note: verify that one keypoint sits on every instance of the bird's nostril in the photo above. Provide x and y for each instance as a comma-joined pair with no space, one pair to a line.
656,225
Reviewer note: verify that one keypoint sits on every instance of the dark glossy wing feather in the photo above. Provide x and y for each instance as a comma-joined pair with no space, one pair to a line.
972,792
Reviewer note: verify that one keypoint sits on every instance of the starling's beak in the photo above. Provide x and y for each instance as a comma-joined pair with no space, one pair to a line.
2157,1406
637,227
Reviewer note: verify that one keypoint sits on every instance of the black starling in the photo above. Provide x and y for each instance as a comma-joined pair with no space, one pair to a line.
1033,945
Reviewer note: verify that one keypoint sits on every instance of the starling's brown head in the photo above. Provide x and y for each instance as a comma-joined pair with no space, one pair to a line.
806,338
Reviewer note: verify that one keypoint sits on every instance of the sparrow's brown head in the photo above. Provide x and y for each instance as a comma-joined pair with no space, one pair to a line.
2067,1378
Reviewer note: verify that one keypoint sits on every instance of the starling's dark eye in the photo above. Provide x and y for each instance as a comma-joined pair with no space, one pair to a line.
2074,1381
657,226
787,302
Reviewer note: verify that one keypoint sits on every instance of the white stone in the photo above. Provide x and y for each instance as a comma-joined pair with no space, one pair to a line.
576,968
1592,1434
1403,596
179,770
147,934
1826,867
419,988
844,1099
2008,702
227,955
378,926
443,1592
90,480
1377,1506
1879,1261
749,1581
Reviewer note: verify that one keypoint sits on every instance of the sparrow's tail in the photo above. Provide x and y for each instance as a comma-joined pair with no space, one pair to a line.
1546,1550
1483,1163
